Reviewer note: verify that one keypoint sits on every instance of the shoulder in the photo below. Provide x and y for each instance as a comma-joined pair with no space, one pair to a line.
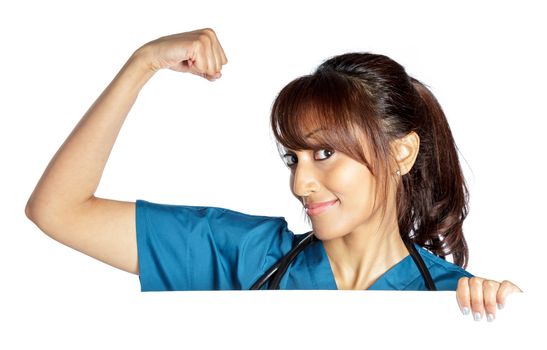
444,273
224,224
151,208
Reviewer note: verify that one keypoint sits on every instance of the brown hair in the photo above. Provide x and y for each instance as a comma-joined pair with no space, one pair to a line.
372,95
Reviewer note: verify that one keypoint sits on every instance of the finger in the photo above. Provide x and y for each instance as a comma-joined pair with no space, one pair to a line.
207,44
489,290
463,296
216,58
504,290
220,53
477,298
219,58
217,55
199,69
199,58
206,76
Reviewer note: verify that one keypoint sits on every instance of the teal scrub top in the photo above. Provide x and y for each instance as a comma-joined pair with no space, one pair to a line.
184,247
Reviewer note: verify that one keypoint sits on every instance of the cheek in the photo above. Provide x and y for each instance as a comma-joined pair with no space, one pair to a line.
354,185
357,202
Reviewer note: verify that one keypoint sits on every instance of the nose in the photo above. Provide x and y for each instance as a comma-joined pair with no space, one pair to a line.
304,179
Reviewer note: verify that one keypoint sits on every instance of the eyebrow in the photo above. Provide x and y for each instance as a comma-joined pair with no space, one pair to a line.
307,136
313,132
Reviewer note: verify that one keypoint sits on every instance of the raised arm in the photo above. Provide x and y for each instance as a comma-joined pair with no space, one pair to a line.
63,204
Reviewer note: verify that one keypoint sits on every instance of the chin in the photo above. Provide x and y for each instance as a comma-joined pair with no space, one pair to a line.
324,233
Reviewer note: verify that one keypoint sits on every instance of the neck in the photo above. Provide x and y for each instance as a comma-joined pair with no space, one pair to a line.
360,257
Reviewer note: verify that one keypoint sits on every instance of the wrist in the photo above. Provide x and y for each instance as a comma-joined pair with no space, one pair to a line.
140,62
136,71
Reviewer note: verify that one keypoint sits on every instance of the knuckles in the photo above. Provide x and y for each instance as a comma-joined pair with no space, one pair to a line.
489,284
204,38
475,282
462,282
209,31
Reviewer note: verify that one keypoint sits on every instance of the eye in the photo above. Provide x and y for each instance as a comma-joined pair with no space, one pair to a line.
291,159
327,152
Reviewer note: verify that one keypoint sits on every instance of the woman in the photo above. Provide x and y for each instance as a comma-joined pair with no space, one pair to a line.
372,161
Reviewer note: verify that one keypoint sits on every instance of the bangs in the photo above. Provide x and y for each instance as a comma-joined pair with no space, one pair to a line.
334,107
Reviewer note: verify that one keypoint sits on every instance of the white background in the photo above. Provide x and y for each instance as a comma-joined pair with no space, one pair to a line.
189,141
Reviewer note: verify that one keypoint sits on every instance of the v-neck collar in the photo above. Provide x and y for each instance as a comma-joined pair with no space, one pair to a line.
397,277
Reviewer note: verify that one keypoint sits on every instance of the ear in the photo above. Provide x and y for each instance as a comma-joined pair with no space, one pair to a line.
405,151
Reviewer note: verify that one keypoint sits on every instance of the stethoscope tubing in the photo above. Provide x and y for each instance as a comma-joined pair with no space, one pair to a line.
278,270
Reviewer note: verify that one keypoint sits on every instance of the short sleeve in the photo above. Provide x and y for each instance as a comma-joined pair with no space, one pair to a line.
205,248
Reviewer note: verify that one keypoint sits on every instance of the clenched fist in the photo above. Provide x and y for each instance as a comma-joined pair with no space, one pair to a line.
198,52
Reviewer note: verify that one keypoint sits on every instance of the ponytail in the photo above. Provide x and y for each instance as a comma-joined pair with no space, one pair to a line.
433,199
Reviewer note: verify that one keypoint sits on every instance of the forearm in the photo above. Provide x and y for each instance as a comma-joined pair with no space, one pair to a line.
74,172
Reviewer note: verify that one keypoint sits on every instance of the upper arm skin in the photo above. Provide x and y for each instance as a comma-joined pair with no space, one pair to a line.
101,228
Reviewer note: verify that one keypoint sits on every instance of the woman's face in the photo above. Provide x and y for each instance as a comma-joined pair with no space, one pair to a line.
345,186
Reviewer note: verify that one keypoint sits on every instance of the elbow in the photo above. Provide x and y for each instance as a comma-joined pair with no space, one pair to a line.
29,210
40,216
36,213
31,207
49,216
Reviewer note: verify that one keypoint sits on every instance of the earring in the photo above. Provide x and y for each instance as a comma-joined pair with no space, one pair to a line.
398,173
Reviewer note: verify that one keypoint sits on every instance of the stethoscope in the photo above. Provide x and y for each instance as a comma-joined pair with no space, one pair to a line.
276,272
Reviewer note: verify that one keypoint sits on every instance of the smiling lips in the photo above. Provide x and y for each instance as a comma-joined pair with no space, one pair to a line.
318,208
